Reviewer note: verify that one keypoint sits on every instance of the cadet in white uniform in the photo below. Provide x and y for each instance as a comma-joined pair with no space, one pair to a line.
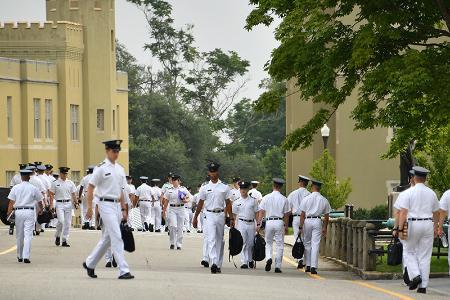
254,192
444,206
108,181
40,186
156,205
312,208
188,214
201,228
420,209
215,196
144,196
130,197
175,198
295,199
63,198
24,197
46,183
234,192
244,211
274,207
87,224
15,181
164,189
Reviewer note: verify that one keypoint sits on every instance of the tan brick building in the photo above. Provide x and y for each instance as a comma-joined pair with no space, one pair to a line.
60,93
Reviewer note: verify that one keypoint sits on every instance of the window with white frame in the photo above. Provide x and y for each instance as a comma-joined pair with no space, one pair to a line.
74,122
9,115
100,119
37,118
48,119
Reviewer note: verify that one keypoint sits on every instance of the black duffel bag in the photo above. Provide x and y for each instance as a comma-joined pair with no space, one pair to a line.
394,252
127,237
259,248
299,248
45,217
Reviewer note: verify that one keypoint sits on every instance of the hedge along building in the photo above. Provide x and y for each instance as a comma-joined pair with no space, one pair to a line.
60,93
357,153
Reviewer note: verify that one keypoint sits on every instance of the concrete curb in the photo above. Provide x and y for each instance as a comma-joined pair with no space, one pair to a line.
373,275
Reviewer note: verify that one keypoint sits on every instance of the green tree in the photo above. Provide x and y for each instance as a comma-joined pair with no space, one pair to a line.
324,170
397,53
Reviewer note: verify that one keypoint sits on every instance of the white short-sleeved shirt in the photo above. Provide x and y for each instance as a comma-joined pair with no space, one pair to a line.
245,208
295,199
401,197
420,202
165,187
45,181
132,188
85,181
37,183
444,204
145,192
15,180
109,180
274,204
63,189
25,194
315,205
255,194
214,195
234,194
172,194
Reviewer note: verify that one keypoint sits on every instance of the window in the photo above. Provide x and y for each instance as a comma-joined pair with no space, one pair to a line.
37,118
100,119
9,176
48,119
9,124
98,4
112,40
114,120
118,120
73,3
74,117
75,177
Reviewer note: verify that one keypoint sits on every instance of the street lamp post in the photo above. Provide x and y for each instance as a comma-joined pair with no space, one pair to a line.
325,132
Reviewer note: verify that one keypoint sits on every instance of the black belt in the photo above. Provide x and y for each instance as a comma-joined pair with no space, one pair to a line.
176,205
62,201
296,215
145,200
217,211
274,218
108,200
20,208
246,220
313,217
420,219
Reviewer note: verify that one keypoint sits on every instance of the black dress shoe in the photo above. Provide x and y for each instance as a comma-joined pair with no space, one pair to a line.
64,244
268,265
244,266
158,230
313,271
92,228
85,226
422,290
57,241
145,226
278,270
37,232
166,229
188,231
11,230
42,230
150,228
199,231
300,265
219,270
251,264
108,264
26,260
178,248
205,263
46,225
126,276
172,247
99,228
415,282
308,269
90,272
213,269
114,263
20,259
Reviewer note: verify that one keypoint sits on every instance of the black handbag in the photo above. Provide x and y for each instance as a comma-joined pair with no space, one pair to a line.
394,252
127,237
299,248
259,248
45,217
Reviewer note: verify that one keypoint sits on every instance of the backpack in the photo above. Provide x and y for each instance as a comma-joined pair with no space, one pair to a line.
299,248
394,252
235,242
259,248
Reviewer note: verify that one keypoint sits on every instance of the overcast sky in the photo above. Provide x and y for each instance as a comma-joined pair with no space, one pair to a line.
218,24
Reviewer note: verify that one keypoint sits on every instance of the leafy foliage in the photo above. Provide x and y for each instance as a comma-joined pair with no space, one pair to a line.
379,212
324,170
397,53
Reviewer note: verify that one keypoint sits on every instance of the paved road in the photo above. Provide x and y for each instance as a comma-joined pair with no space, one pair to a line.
56,273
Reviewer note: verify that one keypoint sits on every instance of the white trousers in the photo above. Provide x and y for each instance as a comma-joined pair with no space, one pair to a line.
176,222
214,226
111,215
275,231
188,218
404,255
420,247
312,232
64,214
248,230
205,237
83,214
24,231
145,208
156,215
